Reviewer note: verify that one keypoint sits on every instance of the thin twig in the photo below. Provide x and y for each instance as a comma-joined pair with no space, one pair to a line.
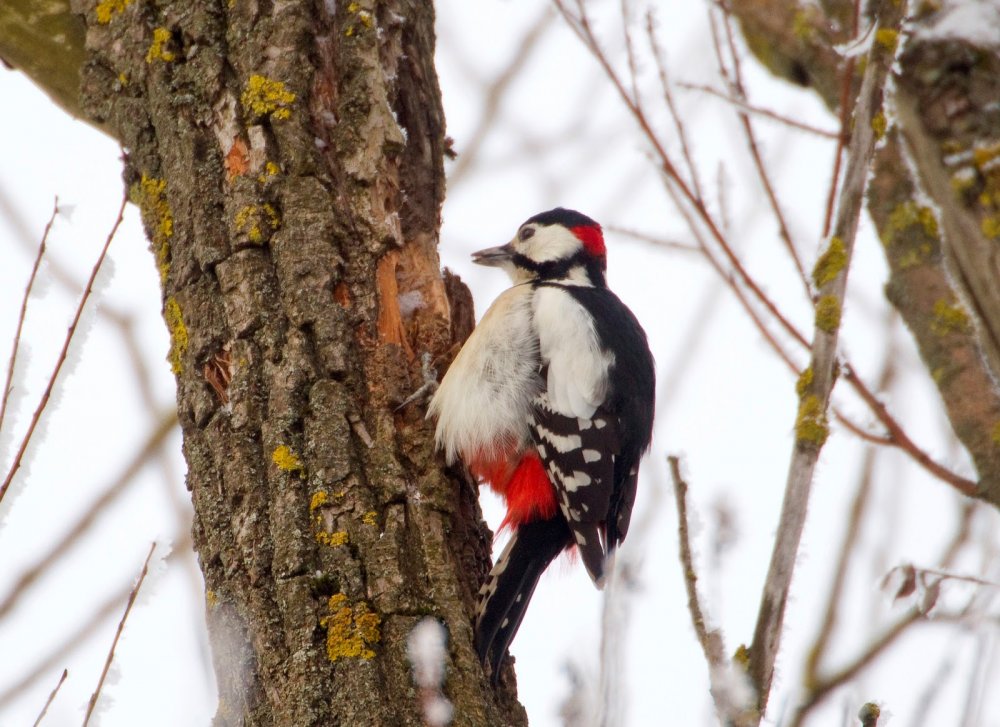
668,97
844,675
29,674
118,632
689,205
851,534
948,576
43,402
52,696
9,382
710,641
738,88
653,240
72,534
496,96
811,422
580,24
759,110
900,439
845,119
821,687
734,705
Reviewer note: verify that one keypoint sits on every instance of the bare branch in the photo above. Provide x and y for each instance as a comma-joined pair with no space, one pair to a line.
760,110
736,84
710,641
9,382
811,421
52,696
43,402
668,98
72,533
733,705
118,632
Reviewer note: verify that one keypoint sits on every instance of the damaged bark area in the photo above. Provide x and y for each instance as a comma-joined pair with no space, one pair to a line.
287,160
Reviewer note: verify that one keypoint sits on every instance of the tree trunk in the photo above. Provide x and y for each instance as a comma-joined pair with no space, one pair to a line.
943,264
287,160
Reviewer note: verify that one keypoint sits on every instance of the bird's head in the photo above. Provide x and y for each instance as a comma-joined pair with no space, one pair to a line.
560,245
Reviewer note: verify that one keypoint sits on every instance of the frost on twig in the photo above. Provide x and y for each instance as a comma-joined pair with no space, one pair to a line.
811,426
869,715
427,650
95,697
731,689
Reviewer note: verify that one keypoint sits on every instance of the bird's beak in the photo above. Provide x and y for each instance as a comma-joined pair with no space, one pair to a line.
494,256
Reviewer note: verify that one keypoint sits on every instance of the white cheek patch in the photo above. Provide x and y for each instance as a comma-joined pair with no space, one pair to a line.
552,242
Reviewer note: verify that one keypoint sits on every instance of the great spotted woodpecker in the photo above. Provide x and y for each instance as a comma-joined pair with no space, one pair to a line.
550,401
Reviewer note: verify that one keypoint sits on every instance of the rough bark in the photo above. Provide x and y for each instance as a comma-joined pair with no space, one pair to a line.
287,160
943,271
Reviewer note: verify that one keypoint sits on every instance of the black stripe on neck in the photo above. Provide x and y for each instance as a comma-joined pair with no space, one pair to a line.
551,270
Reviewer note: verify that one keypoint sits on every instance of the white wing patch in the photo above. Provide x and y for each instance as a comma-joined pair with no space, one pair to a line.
577,367
484,400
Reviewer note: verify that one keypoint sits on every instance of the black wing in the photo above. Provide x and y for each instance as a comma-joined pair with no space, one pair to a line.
579,457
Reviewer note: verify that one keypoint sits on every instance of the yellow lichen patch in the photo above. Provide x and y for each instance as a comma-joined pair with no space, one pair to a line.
810,422
963,179
802,27
887,38
907,214
742,656
991,227
286,459
270,170
178,334
879,124
364,18
983,156
916,256
319,498
264,96
350,631
122,79
157,49
258,222
370,518
334,540
150,194
804,381
828,313
211,599
830,263
107,9
949,318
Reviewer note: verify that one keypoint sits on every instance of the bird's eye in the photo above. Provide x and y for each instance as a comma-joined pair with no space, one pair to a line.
525,233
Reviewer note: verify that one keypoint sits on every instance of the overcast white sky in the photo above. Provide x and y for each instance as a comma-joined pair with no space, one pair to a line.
726,403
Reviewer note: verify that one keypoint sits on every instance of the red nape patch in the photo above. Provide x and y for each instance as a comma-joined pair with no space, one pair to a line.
529,493
592,239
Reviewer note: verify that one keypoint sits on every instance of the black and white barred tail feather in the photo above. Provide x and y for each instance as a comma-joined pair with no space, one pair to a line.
504,597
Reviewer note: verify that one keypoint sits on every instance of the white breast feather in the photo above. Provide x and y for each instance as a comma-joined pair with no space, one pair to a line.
483,402
578,368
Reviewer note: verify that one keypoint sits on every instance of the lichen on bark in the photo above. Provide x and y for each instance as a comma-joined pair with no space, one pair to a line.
299,154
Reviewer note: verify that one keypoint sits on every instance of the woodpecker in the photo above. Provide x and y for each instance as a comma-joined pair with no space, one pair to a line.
550,402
